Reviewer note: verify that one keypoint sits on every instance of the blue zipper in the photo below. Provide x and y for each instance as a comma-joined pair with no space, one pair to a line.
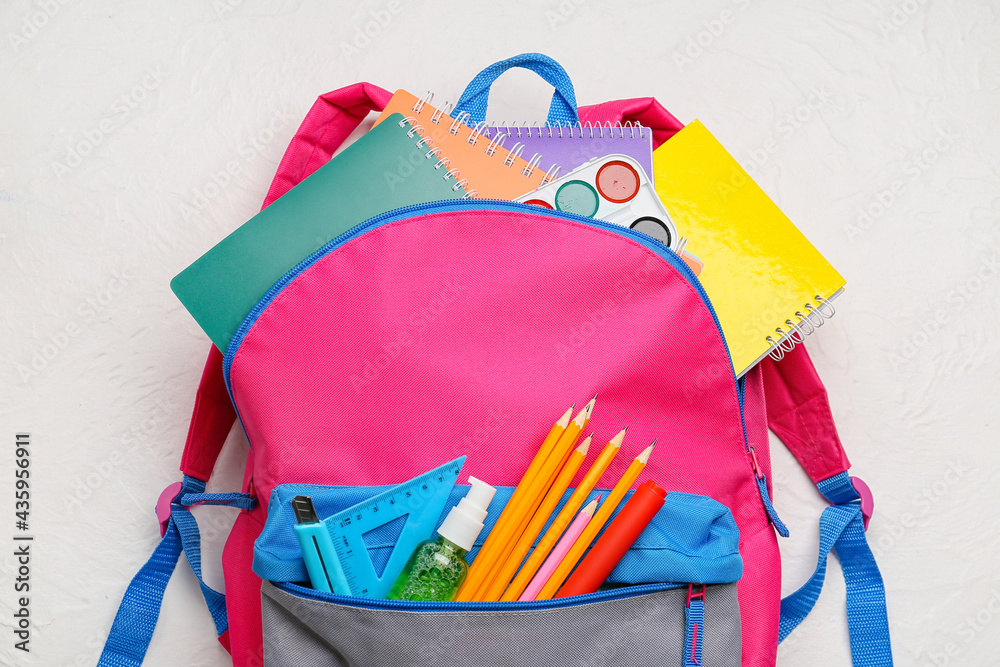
473,205
409,605
468,205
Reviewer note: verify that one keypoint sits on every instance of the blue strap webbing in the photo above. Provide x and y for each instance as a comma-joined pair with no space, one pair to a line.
841,529
694,628
132,630
476,96
242,501
191,542
769,506
136,619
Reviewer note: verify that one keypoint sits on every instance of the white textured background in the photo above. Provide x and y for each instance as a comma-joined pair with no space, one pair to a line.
896,104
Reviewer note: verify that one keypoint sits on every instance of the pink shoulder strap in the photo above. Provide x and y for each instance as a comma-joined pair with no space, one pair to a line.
329,122
211,421
643,110
798,411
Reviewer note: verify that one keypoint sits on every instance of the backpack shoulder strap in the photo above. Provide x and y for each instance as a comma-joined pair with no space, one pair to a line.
645,111
798,412
332,118
211,421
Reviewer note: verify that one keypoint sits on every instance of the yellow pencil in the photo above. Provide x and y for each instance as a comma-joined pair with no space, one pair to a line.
482,563
564,518
536,489
595,525
537,521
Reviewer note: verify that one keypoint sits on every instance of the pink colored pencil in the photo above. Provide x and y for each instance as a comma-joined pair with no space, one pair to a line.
552,562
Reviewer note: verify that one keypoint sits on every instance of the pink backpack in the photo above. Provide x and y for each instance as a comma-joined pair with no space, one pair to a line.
507,284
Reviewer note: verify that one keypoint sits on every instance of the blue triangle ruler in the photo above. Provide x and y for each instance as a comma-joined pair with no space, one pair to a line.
421,501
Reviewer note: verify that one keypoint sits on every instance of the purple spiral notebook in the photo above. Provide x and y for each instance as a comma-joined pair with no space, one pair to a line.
572,146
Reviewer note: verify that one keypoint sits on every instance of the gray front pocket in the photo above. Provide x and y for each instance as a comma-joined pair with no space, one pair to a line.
637,625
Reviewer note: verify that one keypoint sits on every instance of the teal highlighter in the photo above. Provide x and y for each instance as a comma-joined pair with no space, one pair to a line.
322,564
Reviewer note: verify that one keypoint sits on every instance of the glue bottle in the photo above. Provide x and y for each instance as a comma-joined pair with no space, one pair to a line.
437,567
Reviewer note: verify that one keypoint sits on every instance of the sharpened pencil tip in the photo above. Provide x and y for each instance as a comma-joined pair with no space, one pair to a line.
644,455
564,420
619,438
585,445
584,414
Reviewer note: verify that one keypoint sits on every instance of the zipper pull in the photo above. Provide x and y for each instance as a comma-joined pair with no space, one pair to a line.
694,624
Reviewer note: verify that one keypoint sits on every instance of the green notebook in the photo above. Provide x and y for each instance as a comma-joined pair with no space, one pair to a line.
381,171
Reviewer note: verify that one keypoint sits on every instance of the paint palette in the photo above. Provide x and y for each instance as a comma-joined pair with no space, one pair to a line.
613,188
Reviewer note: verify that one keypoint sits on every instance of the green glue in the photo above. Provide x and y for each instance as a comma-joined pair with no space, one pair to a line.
437,567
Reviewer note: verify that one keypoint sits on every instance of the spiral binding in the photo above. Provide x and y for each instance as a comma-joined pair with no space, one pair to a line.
572,130
796,333
496,137
499,132
482,129
416,130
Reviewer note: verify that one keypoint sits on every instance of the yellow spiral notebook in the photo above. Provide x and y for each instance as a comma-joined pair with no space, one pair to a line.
768,284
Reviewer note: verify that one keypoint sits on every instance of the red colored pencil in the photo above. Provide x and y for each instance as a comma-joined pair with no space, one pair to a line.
620,535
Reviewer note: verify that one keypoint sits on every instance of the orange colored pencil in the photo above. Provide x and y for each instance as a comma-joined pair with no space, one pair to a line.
537,521
564,518
536,489
595,525
485,558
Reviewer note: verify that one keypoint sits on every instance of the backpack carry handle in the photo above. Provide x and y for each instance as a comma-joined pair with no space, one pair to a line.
476,96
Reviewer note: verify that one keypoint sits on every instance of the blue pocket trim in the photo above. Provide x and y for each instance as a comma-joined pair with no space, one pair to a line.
691,539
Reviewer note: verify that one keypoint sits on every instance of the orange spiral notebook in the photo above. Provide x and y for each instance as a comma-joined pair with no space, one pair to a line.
489,169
